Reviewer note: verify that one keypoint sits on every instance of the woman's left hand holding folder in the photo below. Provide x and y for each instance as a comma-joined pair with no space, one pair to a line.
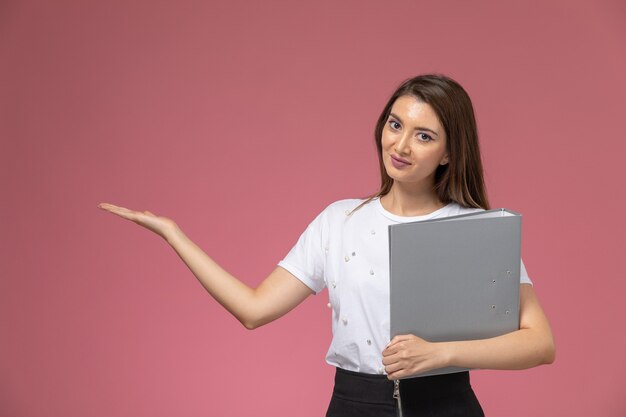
408,354
530,346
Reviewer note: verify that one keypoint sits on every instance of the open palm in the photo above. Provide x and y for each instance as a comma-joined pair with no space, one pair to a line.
158,224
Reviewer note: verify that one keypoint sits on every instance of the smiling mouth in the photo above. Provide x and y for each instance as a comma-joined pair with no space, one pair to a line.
398,160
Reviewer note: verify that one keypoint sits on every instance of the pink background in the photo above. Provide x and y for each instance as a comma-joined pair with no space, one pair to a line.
241,121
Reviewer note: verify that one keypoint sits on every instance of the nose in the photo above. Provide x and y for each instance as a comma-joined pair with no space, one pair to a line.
402,145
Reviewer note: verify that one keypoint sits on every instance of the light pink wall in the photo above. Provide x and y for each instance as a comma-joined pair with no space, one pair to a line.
241,121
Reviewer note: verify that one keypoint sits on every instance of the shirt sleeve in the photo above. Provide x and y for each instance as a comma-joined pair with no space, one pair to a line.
306,259
523,275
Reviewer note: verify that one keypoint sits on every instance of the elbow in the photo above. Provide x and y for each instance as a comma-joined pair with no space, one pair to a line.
550,355
548,352
251,323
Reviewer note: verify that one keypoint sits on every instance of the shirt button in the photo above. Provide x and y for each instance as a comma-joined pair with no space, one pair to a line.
369,342
371,272
373,231
334,285
346,258
329,305
345,321
353,253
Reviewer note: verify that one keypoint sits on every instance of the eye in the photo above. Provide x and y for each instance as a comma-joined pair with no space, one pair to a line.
423,137
394,125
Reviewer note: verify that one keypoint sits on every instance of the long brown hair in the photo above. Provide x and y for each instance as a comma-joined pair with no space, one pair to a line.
461,179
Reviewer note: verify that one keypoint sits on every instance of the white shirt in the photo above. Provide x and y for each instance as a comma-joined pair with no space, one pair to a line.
350,256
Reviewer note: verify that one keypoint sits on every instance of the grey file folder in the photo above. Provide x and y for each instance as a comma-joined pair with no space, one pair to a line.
456,278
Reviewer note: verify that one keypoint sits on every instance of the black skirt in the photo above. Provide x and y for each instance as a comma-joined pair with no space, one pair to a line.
366,395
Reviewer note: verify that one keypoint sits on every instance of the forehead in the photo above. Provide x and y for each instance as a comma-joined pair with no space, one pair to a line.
413,111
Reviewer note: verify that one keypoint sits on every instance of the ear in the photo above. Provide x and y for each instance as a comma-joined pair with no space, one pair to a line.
444,160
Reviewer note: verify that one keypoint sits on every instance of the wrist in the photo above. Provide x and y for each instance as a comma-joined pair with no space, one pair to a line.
448,350
173,234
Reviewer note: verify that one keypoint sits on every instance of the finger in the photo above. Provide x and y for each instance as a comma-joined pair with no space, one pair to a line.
125,213
391,350
396,375
117,209
396,348
113,208
108,205
399,338
390,360
394,371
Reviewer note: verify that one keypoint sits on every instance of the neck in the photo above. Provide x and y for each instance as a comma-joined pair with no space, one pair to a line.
406,201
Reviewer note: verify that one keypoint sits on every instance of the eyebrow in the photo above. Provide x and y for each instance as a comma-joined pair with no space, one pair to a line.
418,127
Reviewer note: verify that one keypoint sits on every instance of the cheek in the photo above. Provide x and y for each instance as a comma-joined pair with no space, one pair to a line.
436,155
427,157
386,140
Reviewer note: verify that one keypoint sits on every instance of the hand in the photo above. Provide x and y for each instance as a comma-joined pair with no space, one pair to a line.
408,355
162,226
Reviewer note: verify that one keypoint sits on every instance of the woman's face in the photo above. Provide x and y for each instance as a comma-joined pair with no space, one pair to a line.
413,142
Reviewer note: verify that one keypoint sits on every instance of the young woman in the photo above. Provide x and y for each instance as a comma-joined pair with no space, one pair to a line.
430,167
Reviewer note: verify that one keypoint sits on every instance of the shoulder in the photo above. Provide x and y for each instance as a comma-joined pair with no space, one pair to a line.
337,212
342,206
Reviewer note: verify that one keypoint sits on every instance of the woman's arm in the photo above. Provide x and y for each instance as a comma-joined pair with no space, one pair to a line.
529,346
279,293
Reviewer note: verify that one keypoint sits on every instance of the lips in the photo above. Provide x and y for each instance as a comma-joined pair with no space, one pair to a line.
398,162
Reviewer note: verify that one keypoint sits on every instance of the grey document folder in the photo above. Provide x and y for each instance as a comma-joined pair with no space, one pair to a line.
456,278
